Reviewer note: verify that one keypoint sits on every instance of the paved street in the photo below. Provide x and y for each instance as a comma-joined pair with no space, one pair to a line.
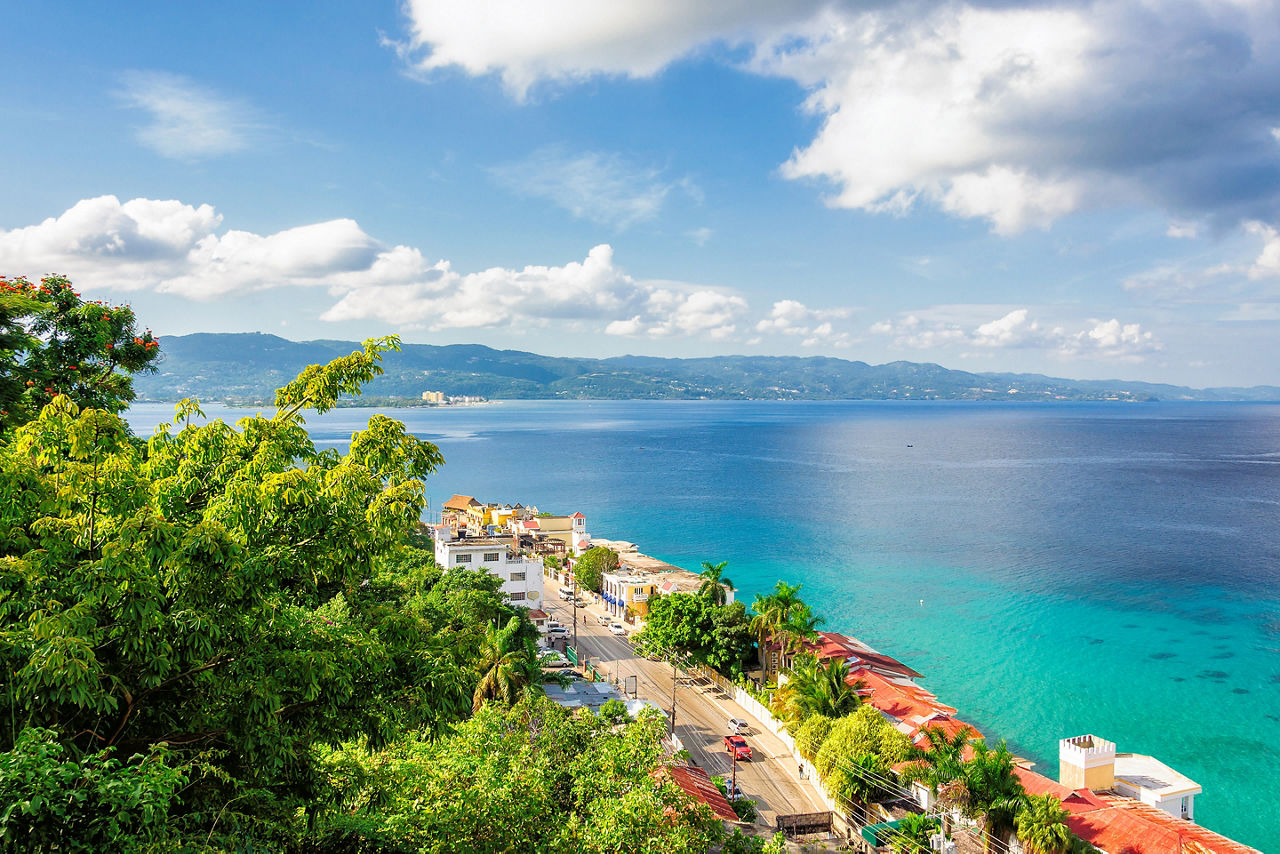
770,779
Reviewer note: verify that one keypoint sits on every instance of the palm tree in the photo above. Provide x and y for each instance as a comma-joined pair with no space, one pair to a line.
861,781
800,626
816,688
913,834
940,766
1042,826
995,794
714,584
771,611
508,666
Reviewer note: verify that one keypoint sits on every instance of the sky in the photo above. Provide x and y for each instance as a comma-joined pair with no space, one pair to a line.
1082,189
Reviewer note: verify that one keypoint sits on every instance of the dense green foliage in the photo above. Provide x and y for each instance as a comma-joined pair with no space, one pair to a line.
590,568
693,627
227,639
815,687
53,342
532,778
913,834
247,367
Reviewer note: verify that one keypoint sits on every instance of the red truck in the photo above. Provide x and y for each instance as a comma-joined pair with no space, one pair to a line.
737,745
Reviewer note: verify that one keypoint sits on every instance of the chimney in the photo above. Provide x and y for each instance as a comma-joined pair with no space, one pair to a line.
1087,762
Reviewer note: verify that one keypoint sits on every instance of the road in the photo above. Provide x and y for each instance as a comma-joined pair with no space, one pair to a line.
771,778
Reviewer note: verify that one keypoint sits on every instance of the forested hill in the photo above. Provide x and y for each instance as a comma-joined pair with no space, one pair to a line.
248,367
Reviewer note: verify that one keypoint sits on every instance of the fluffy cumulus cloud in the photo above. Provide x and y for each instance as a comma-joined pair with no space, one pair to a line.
187,121
1015,115
600,186
816,327
1016,329
172,247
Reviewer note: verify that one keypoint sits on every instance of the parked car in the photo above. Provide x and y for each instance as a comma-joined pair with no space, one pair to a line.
617,629
553,659
737,726
558,632
737,745
604,619
554,624
566,593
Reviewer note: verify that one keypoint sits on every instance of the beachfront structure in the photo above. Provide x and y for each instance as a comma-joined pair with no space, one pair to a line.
1089,762
570,530
625,589
435,397
499,556
1115,823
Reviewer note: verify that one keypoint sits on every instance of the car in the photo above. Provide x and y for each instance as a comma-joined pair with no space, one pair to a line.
617,629
737,745
738,726
604,619
558,632
566,593
553,659
554,624
581,603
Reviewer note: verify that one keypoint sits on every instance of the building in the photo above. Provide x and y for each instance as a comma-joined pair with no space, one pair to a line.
626,592
521,576
433,397
697,785
1115,823
463,511
1089,762
570,531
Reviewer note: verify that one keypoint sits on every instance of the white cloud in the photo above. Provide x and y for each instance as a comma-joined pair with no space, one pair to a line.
599,186
188,122
171,247
700,236
1017,116
1267,264
1016,329
791,317
1182,230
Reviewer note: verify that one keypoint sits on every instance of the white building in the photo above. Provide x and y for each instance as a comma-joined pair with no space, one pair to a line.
1089,762
521,576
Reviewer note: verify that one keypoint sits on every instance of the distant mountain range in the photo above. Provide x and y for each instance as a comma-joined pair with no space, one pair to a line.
248,367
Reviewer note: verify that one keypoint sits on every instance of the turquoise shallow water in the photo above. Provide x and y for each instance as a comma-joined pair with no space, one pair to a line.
1102,568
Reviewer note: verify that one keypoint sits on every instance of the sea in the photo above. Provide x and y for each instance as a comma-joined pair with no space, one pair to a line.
1053,569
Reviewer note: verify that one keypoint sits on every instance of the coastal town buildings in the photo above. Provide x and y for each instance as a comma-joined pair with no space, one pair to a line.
433,397
626,592
543,533
499,556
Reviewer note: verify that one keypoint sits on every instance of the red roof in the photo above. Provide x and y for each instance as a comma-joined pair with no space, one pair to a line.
576,516
1122,825
538,614
696,784
836,645
531,523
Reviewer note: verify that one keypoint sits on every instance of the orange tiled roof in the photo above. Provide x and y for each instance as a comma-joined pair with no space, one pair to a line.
1120,825
696,784
460,502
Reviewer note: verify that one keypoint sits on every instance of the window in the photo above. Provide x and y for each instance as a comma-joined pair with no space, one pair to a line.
516,597
489,557
464,558
517,576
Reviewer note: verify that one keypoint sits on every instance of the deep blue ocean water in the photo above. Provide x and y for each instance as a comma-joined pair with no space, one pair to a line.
1052,569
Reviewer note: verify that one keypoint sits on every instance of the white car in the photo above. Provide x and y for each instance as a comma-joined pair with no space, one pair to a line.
617,629
603,619
553,659
558,632
737,726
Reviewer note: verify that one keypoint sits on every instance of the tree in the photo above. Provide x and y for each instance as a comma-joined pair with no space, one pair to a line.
799,628
208,593
715,635
994,792
714,584
812,734
865,730
913,834
771,611
508,666
529,778
591,567
53,342
815,688
1042,826
861,780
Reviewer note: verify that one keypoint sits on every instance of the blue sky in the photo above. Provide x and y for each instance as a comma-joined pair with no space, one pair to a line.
1079,189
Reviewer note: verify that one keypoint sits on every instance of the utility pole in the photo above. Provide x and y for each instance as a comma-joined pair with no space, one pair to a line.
733,785
574,604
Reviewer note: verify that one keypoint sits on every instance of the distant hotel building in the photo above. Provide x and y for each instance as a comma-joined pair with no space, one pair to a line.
436,397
